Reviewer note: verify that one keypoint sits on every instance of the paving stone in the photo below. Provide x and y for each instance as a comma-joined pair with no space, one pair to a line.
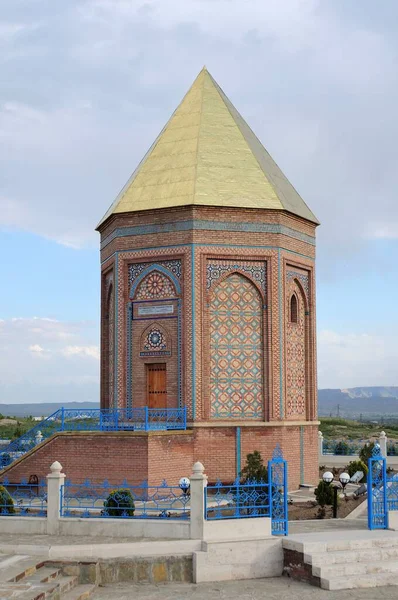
281,588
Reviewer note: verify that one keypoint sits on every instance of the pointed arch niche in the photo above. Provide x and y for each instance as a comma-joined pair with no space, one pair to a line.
154,330
236,349
296,345
108,345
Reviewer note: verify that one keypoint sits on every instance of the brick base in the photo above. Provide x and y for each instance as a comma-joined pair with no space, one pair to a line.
155,456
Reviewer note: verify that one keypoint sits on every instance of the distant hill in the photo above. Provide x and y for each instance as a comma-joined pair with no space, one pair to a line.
353,402
350,402
41,410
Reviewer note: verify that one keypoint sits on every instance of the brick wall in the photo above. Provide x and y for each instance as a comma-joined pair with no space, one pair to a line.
162,455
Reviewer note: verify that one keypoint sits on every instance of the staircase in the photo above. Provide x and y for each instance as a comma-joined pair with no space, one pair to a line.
30,578
343,560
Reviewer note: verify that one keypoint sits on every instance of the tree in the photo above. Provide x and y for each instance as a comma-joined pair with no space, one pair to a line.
324,494
254,470
366,452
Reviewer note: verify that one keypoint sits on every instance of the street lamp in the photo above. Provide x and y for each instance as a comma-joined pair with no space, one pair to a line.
184,485
327,477
344,479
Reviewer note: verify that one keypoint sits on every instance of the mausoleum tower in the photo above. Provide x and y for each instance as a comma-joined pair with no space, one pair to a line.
208,292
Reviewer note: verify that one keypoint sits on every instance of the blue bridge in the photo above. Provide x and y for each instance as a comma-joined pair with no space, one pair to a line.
120,419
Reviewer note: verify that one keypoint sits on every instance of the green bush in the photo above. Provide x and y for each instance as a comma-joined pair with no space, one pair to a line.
120,503
254,470
366,452
357,465
6,502
324,494
342,448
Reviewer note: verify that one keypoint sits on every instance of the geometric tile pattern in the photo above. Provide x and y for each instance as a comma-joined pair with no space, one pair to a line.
236,350
155,286
218,268
137,268
295,354
155,342
303,279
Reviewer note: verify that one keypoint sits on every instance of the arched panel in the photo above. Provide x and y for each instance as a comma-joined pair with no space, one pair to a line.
296,352
109,344
236,350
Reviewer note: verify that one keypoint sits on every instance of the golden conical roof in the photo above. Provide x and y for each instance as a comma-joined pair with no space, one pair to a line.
207,155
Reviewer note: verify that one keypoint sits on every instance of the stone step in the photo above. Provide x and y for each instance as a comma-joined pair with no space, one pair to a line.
361,581
43,575
350,556
16,567
80,592
340,545
356,568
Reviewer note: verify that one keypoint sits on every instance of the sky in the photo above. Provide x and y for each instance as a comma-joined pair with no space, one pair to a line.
85,87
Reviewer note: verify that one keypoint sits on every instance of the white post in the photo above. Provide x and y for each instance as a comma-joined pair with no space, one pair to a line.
54,482
320,443
383,444
198,481
38,438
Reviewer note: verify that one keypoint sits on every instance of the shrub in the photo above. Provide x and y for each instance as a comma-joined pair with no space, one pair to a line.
357,465
254,470
324,494
6,502
366,452
342,448
5,459
120,503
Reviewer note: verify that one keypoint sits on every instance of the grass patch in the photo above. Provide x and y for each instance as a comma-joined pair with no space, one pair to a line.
344,429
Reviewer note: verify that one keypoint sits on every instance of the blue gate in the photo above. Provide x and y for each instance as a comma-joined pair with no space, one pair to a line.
377,490
277,482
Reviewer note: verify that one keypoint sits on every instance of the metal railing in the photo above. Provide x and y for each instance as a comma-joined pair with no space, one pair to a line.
119,419
237,501
23,499
253,498
124,501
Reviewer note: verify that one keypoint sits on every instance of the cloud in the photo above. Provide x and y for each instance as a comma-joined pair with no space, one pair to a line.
89,351
315,79
356,360
36,349
25,377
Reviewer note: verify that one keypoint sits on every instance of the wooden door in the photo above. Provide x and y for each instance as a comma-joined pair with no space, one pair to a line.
156,385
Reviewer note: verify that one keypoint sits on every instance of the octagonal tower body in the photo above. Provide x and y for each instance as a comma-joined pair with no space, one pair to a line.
208,293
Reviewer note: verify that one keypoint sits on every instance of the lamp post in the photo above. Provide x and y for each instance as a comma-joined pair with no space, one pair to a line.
344,479
184,484
328,478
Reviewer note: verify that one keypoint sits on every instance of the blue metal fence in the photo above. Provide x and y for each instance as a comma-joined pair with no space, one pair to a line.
237,501
106,500
23,499
249,499
277,476
342,447
377,490
121,419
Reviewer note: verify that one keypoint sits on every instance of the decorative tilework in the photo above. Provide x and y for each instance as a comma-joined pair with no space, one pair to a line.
203,225
218,268
155,342
174,266
302,278
295,354
236,350
154,287
152,257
